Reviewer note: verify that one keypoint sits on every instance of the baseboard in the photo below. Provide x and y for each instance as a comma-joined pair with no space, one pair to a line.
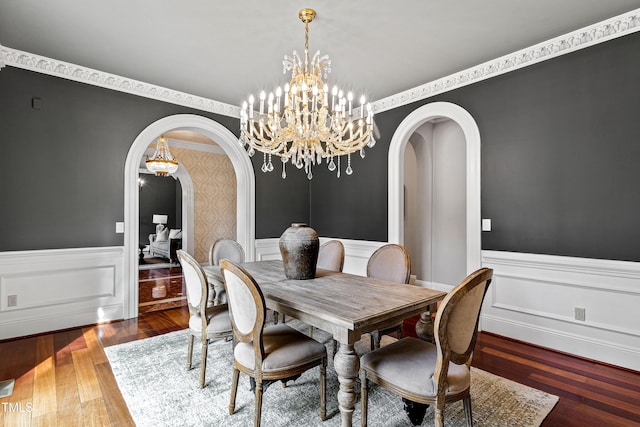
54,289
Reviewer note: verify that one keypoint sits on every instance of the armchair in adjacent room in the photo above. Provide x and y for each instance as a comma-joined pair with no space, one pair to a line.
165,243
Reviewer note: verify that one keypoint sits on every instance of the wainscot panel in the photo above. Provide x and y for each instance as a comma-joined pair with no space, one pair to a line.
46,290
586,307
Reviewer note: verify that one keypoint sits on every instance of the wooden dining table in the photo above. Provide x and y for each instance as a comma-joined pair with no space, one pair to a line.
344,305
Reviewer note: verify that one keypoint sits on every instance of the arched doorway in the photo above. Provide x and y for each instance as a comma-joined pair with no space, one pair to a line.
422,115
245,182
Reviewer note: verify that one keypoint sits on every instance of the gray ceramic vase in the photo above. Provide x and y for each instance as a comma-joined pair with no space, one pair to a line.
299,246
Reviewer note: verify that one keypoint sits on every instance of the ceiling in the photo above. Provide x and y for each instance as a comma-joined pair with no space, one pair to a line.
225,50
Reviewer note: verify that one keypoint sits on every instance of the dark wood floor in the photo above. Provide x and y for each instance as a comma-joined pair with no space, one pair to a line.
64,378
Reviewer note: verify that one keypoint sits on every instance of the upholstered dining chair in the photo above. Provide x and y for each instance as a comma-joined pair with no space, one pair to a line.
266,354
390,262
221,249
331,256
433,374
205,323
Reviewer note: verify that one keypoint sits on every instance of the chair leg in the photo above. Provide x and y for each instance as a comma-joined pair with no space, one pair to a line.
190,353
234,390
467,410
375,339
335,347
203,362
438,416
363,398
323,389
258,414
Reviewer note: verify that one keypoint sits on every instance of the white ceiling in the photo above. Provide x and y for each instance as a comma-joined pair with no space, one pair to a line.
225,50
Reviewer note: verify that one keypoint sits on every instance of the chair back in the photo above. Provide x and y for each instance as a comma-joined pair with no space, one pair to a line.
225,248
195,282
331,256
456,324
390,262
246,305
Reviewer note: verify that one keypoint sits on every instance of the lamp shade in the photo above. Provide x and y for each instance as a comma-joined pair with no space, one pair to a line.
160,219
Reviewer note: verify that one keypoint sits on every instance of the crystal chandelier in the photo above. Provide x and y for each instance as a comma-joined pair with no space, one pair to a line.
162,162
306,123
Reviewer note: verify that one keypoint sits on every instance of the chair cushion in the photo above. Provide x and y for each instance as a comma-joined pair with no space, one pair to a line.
219,321
284,347
409,364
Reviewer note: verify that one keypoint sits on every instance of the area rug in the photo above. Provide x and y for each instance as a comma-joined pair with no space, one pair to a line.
159,391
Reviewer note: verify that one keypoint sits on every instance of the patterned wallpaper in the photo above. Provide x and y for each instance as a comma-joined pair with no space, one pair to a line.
214,182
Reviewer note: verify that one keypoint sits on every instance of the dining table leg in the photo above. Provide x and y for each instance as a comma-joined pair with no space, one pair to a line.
347,365
424,326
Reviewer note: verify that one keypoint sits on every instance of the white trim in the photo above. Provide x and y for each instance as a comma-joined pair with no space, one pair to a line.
600,32
188,209
245,183
409,125
53,67
60,288
533,297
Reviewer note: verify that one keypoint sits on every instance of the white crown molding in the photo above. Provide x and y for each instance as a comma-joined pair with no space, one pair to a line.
65,70
603,31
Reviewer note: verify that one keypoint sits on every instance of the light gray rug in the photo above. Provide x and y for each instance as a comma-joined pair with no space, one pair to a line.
159,391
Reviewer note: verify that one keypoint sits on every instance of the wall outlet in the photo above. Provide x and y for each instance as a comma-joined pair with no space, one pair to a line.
119,227
486,225
580,313
12,300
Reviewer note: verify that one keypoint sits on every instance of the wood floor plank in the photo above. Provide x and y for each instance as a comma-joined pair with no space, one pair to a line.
45,420
17,413
117,409
587,393
95,347
44,382
61,341
622,391
88,385
69,408
94,414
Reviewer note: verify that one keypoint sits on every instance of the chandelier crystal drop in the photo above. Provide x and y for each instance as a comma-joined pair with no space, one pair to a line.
306,122
162,163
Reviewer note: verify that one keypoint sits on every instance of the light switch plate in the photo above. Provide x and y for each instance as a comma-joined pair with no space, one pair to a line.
119,227
486,224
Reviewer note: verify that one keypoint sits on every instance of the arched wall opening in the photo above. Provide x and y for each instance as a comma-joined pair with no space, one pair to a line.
245,182
414,127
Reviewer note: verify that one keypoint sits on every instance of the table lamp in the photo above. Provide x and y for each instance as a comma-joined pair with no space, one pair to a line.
160,220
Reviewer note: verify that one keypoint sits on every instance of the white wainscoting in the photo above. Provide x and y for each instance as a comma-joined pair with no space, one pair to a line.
533,299
46,290
357,252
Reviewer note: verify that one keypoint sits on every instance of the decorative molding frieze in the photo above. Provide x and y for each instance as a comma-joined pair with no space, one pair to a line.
41,64
588,36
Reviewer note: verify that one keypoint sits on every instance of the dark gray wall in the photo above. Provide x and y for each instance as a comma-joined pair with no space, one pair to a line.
159,195
279,202
63,165
560,158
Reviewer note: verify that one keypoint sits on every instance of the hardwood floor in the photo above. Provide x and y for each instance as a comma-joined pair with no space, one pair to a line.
64,379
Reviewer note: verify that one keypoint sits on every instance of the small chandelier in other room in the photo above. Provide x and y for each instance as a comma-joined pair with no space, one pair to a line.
162,163
306,123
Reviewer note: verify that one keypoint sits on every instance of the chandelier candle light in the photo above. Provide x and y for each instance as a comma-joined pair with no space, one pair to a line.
162,163
306,122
